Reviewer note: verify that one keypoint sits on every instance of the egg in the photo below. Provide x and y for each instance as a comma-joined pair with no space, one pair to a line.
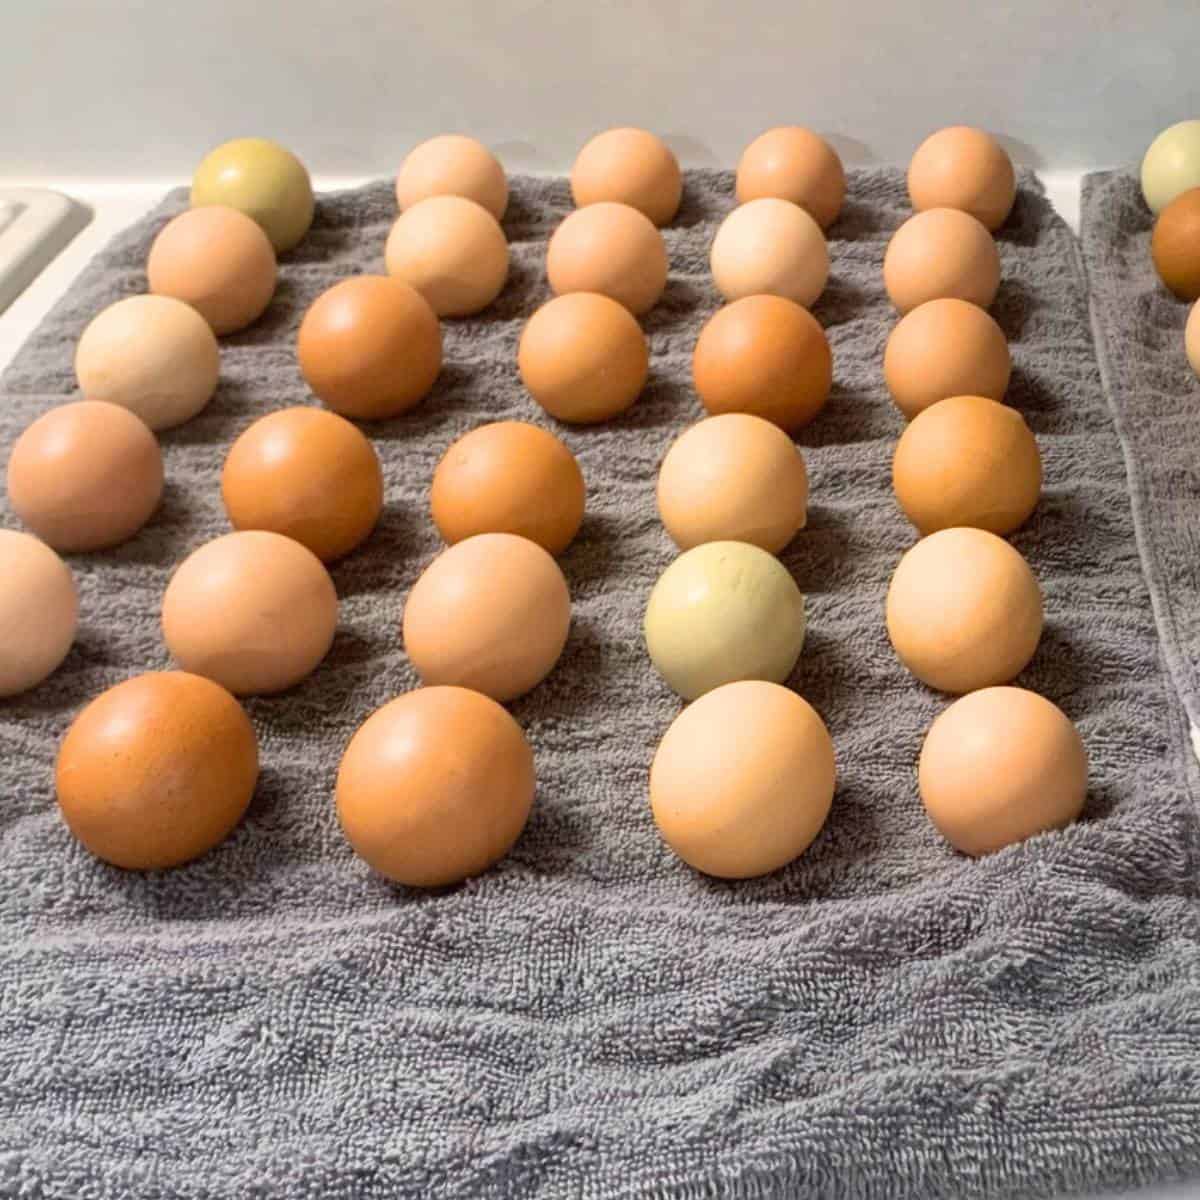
370,347
999,766
770,246
612,249
967,460
453,165
435,786
766,356
743,780
792,163
85,476
721,612
491,613
1171,165
39,612
964,610
452,251
153,355
966,169
217,260
253,610
941,253
263,180
734,478
629,166
307,474
157,771
509,477
583,358
1191,338
1175,245
945,348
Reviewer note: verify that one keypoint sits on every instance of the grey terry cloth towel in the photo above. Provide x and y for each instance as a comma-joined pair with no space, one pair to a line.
883,1018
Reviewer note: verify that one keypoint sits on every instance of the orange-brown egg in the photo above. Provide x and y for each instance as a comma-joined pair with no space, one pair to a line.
767,356
85,476
629,166
39,611
770,246
793,163
157,770
963,168
370,347
308,474
583,358
999,766
452,165
435,786
509,477
1175,245
967,460
491,613
938,253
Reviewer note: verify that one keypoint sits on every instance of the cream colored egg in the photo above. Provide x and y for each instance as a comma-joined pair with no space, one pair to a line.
1191,338
941,253
1172,164
770,246
39,612
453,165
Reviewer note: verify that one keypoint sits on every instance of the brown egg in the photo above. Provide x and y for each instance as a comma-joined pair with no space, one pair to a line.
795,164
964,610
490,613
255,611
157,770
629,166
612,249
1191,338
219,261
435,786
39,612
966,169
945,348
999,766
767,356
770,246
1175,245
452,251
733,478
85,476
967,460
308,474
370,347
940,253
583,358
743,780
509,477
453,165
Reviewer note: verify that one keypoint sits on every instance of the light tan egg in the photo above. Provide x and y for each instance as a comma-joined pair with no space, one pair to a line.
1191,338
453,165
39,612
770,246
629,166
939,253
795,164
963,168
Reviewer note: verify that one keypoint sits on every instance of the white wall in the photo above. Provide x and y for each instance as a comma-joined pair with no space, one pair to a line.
127,88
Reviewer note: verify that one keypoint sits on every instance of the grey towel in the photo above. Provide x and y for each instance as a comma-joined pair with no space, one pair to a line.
882,1018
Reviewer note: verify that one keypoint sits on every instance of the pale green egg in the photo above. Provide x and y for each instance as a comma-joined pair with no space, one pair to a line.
1172,164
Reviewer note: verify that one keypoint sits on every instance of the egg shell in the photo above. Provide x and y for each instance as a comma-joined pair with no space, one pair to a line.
157,770
1175,245
721,612
733,478
767,356
629,166
491,613
1191,338
743,780
307,474
253,610
964,610
452,251
941,253
612,249
794,164
945,348
1171,165
85,476
453,165
218,261
263,180
509,477
39,612
963,168
435,786
370,347
153,355
770,246
583,357
999,766
967,460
